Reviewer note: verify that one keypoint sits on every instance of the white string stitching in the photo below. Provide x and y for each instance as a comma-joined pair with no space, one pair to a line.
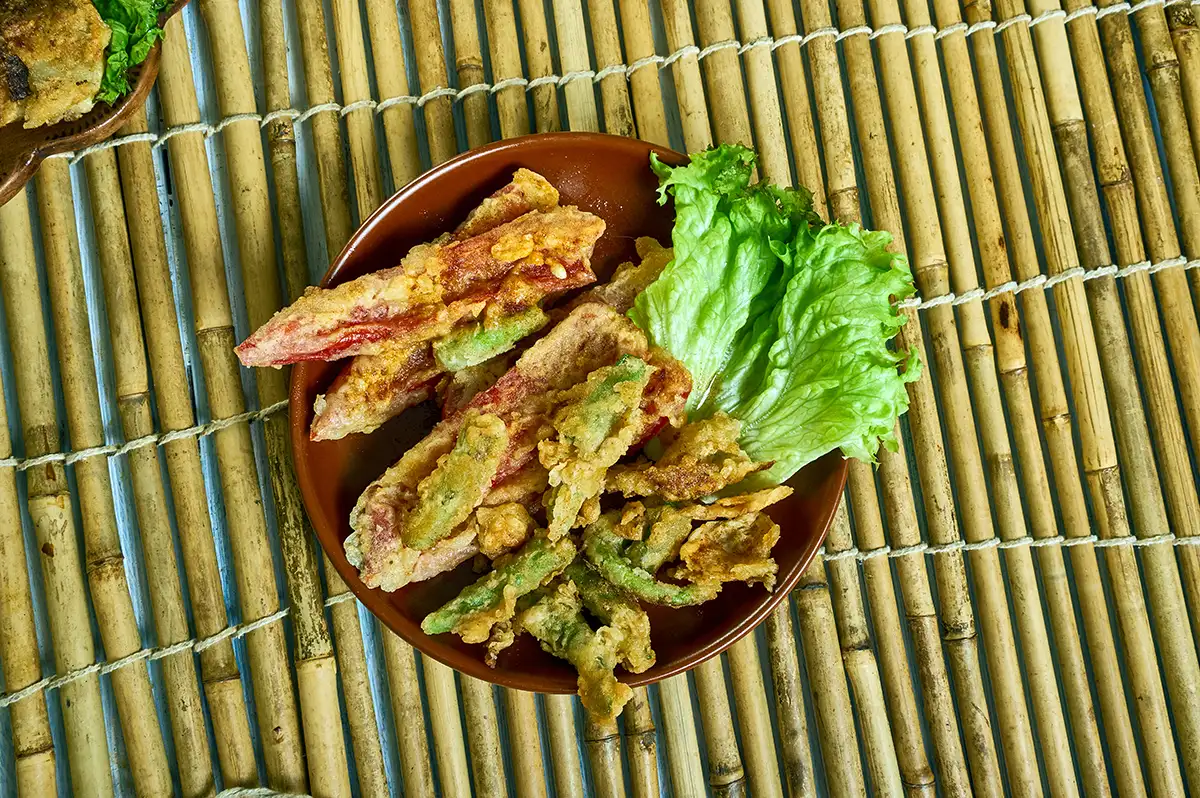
662,62
196,645
258,792
853,553
112,450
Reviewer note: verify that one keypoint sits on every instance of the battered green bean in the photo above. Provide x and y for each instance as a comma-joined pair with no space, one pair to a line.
492,598
558,624
602,547
458,484
471,345
595,428
617,609
668,527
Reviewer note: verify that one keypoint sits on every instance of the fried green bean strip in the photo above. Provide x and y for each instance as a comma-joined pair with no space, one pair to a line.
558,624
602,547
492,599
458,484
668,528
595,427
615,608
473,344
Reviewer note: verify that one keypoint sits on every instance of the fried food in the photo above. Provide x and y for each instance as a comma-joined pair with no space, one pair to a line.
732,550
375,388
603,549
557,621
477,342
666,527
457,389
52,58
528,191
503,528
629,279
435,287
615,608
493,598
703,459
398,566
596,423
457,485
742,504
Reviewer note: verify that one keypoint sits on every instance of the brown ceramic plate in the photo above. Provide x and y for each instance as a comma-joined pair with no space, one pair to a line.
21,149
609,176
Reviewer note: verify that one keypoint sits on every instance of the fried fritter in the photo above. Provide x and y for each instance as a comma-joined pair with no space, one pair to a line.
617,609
703,459
503,528
731,550
558,624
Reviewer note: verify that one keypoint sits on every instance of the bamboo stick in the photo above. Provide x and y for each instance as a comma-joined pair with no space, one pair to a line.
271,676
1084,359
1014,376
754,718
1159,567
641,745
539,64
957,622
1163,242
351,654
50,505
483,738
1170,84
525,743
603,744
356,87
316,669
644,81
409,716
468,62
1181,19
723,76
614,88
506,65
327,141
33,747
982,372
930,270
573,57
685,71
790,717
154,522
763,99
726,776
399,126
102,546
431,71
564,749
862,670
797,105
218,670
827,681
442,694
679,731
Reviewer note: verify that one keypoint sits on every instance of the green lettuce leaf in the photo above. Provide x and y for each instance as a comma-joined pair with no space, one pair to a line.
134,25
785,322
723,236
817,374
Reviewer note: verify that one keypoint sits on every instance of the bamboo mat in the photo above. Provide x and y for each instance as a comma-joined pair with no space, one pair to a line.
1008,605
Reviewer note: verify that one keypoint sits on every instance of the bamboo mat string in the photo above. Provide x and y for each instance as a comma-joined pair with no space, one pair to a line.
272,679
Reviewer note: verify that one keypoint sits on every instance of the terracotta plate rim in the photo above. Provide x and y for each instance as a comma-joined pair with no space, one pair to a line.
329,538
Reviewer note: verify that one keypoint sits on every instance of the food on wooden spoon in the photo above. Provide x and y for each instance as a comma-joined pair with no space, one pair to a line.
59,57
